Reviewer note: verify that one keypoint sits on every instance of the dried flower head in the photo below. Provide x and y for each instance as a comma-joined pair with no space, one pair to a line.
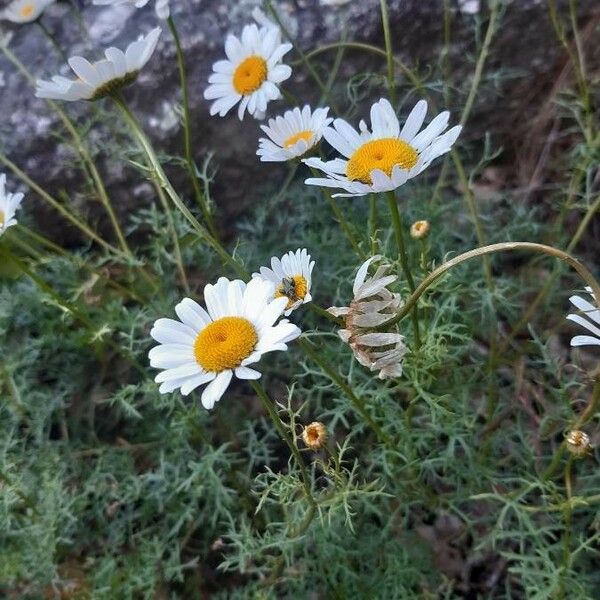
314,435
419,229
373,304
578,442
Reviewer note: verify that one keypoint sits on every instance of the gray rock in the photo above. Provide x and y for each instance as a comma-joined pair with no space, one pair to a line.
29,128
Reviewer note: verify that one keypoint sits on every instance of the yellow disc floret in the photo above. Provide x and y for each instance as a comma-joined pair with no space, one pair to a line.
27,10
302,135
225,343
383,154
293,288
249,75
2,217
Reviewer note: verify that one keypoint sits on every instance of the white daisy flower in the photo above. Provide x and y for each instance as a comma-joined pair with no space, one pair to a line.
385,157
9,203
210,346
589,318
25,11
292,134
290,277
251,73
101,78
372,305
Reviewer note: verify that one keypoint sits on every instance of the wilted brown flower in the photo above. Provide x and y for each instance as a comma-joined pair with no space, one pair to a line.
578,442
373,304
314,435
419,229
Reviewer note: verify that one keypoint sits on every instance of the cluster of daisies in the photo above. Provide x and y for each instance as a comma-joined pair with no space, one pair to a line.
242,321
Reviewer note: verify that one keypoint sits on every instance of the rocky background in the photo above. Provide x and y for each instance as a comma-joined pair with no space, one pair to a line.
518,109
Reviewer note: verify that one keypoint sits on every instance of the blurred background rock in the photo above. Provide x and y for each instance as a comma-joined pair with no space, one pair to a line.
516,104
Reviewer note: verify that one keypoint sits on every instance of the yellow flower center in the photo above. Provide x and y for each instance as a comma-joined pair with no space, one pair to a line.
383,154
293,288
249,75
303,135
1,219
225,343
27,10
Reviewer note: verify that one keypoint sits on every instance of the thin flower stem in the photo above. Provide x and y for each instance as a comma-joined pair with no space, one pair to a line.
176,248
286,437
74,259
356,402
80,148
163,180
550,281
81,225
587,414
585,274
412,77
397,222
66,305
483,54
323,313
373,223
47,33
568,517
475,217
187,132
339,215
385,20
303,57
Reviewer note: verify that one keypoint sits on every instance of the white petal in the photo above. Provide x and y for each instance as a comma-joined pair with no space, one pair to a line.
215,389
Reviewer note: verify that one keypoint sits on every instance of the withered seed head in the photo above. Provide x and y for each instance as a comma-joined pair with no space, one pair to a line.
314,435
578,442
419,229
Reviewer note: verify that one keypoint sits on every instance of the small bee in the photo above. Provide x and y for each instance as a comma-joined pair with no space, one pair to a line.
288,288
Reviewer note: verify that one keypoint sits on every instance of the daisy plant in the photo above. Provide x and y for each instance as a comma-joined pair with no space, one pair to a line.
251,73
210,346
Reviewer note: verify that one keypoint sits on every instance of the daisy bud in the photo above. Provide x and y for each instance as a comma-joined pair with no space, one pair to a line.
419,229
315,435
578,442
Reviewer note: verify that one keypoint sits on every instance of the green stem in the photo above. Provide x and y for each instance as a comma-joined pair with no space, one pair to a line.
53,42
83,227
323,313
356,402
339,215
303,57
80,148
187,132
402,255
176,248
23,231
67,306
164,182
285,436
550,281
587,414
491,249
373,223
388,50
